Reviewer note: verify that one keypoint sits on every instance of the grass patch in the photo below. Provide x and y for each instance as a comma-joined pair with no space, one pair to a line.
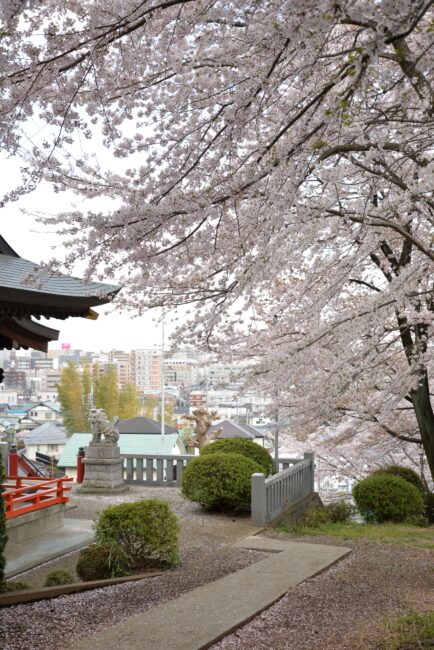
387,533
410,631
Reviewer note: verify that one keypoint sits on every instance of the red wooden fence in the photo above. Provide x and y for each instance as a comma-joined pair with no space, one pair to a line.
26,494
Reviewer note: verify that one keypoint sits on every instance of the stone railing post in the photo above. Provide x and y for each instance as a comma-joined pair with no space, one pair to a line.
259,500
309,455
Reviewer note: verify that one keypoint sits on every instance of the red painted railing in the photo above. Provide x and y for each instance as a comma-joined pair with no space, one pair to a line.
25,494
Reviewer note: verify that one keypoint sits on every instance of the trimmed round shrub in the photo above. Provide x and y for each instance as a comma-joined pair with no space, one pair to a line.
244,447
145,533
383,497
99,562
220,481
403,472
58,577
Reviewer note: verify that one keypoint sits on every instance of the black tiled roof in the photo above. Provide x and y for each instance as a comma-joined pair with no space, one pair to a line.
141,424
57,295
27,289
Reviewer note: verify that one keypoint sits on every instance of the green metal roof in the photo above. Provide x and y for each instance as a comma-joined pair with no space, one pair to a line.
129,443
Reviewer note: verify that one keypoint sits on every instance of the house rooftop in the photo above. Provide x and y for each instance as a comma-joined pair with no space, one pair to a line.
47,433
141,424
53,406
235,430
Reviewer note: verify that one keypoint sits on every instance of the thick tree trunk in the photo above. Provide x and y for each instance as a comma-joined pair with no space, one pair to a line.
425,418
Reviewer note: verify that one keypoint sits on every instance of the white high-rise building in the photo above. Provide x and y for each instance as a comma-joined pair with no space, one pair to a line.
146,369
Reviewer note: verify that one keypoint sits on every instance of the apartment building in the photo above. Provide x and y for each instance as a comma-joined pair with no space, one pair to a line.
146,369
50,381
180,372
122,361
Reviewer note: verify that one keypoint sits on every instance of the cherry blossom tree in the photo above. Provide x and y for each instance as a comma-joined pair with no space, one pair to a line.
270,165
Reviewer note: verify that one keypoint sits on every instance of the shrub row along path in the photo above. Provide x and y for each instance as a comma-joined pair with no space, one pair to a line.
341,608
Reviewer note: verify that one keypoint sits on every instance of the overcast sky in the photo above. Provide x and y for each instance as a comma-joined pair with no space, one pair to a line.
30,240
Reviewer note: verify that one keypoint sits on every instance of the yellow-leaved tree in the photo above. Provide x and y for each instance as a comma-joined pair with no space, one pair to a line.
129,402
70,390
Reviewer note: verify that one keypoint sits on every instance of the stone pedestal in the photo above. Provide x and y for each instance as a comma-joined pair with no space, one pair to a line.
103,471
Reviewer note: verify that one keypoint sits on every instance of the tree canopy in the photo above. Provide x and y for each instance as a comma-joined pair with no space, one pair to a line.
269,163
75,408
79,390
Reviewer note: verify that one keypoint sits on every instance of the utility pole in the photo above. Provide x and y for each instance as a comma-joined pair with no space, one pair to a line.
163,392
276,433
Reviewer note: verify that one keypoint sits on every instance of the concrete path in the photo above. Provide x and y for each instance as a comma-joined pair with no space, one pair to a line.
201,617
75,534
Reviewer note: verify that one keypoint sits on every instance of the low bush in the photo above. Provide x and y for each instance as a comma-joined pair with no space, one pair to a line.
144,533
244,447
16,585
429,507
339,511
417,520
403,472
220,481
58,577
316,516
383,497
98,563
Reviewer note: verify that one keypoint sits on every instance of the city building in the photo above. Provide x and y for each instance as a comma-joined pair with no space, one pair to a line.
8,396
15,380
180,372
218,374
146,369
122,361
42,363
50,381
197,399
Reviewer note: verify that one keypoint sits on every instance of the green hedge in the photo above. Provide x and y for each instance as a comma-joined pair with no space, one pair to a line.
244,447
412,477
403,472
220,481
383,497
144,533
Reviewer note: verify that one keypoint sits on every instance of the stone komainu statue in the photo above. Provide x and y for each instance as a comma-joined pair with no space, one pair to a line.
101,426
203,420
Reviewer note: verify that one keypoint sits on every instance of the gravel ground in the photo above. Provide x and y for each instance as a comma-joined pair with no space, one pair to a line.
344,607
341,609
206,555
